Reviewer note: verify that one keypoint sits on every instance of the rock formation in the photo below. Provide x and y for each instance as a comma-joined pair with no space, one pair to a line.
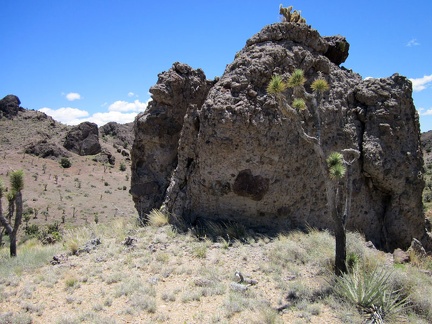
157,133
225,151
46,149
122,133
83,139
9,106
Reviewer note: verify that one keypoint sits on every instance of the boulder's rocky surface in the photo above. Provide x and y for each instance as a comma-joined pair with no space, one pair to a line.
9,106
157,133
122,134
225,151
83,139
105,157
46,149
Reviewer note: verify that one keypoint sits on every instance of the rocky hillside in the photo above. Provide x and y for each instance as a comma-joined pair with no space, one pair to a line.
95,188
225,150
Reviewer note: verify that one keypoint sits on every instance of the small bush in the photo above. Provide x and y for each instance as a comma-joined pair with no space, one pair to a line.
65,163
122,166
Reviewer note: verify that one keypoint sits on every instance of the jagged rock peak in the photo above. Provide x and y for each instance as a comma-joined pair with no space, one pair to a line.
335,48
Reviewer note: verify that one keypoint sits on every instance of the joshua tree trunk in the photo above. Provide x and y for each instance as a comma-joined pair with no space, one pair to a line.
339,224
18,217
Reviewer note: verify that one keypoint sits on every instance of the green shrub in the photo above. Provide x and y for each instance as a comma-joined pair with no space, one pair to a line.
122,166
65,163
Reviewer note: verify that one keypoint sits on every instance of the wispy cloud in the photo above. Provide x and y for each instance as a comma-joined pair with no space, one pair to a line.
420,84
412,42
425,112
119,111
71,96
131,94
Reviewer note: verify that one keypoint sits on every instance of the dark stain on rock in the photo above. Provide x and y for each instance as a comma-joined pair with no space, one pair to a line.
248,185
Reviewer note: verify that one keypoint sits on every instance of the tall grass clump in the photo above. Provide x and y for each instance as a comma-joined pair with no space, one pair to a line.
32,256
157,218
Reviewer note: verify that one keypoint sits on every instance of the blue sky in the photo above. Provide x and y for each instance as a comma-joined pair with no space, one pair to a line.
96,59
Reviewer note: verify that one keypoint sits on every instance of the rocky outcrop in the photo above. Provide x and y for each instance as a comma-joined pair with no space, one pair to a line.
233,155
83,139
46,149
157,133
9,106
105,157
122,134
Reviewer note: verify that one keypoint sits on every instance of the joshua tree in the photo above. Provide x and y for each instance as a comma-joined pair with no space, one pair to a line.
17,184
333,168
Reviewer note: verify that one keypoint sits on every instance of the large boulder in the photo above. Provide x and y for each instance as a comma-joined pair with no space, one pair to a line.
157,133
238,158
122,134
83,139
9,106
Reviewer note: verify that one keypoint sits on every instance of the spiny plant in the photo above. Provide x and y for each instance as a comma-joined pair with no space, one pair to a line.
336,166
296,79
276,85
299,104
320,85
371,291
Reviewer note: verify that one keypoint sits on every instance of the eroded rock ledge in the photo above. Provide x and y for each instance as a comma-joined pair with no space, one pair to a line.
222,150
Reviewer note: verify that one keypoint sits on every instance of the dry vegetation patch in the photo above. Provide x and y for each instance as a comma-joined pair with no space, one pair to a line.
164,276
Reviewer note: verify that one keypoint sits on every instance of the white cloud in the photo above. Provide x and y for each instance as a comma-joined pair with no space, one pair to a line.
66,115
420,84
120,111
424,112
413,42
131,94
71,96
124,106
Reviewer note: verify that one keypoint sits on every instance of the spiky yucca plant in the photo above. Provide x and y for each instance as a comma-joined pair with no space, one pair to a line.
296,79
276,85
371,291
336,166
17,180
320,85
299,104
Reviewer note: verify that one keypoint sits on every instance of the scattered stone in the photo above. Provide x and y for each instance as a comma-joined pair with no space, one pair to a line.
58,259
89,246
129,241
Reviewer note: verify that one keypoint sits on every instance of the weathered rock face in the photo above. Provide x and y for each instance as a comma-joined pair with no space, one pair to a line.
9,106
157,133
46,149
238,158
83,139
122,133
